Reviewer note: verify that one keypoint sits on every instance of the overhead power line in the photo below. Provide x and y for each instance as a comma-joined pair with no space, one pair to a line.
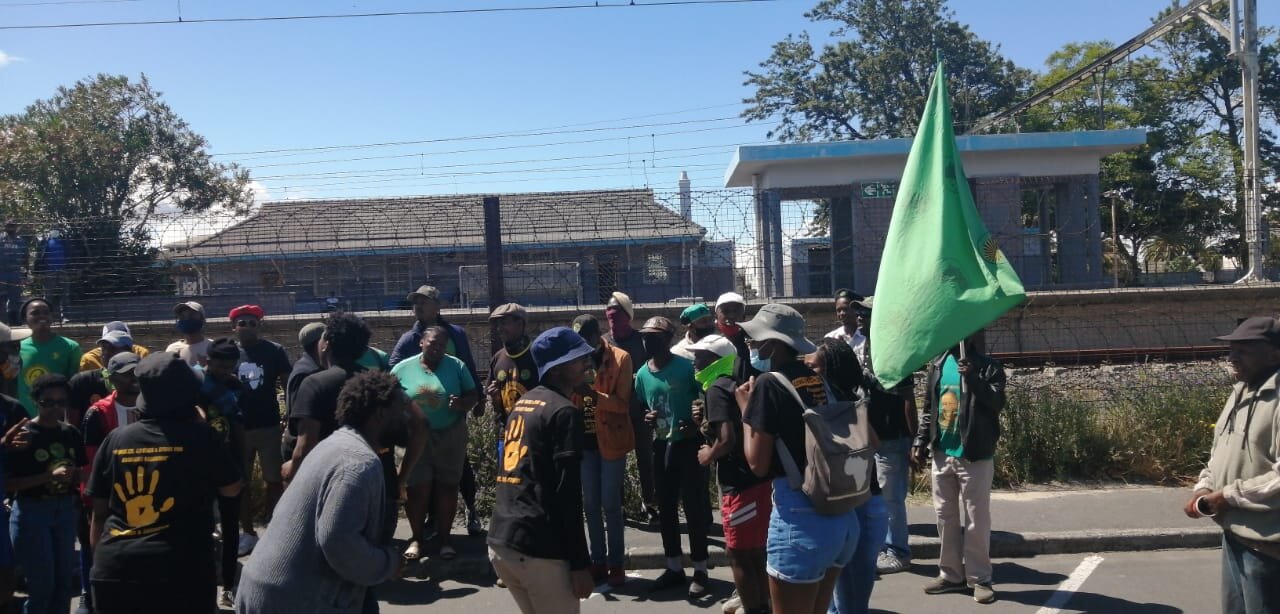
421,13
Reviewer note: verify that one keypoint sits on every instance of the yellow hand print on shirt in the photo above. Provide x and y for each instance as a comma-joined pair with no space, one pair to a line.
139,499
513,449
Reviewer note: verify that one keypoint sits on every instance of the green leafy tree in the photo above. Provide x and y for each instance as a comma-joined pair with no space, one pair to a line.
97,161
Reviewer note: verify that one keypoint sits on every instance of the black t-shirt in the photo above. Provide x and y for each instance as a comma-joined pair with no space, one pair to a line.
11,412
515,376
160,479
262,369
732,471
538,507
302,369
885,409
773,409
318,399
87,388
589,440
50,448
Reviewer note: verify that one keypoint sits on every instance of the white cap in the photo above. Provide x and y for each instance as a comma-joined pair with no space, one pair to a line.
13,334
731,297
716,344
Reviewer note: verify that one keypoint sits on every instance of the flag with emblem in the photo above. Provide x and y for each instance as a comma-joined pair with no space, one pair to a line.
942,275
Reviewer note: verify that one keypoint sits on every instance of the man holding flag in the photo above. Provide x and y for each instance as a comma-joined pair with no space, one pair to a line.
942,279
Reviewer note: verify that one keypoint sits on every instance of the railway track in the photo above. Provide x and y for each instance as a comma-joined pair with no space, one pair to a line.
1112,356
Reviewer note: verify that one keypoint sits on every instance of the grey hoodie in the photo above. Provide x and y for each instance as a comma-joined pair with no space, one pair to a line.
1244,462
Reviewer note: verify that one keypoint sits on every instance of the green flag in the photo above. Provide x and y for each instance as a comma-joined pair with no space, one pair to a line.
942,276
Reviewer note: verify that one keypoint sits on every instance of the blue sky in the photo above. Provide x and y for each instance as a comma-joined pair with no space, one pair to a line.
675,72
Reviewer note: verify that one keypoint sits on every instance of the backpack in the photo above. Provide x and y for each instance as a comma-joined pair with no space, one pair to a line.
840,446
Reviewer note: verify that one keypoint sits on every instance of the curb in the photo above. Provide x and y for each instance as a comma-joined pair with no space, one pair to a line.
1003,545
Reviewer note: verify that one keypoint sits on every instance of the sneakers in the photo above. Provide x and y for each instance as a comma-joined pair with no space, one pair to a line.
888,563
617,577
700,584
733,604
652,513
669,579
227,599
247,543
474,528
983,593
939,586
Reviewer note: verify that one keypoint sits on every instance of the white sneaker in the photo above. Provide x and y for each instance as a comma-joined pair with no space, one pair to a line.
733,604
247,543
227,600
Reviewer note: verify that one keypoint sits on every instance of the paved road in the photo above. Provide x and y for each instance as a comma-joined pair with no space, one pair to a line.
1165,582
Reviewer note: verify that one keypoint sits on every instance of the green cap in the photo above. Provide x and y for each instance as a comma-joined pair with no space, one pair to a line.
693,313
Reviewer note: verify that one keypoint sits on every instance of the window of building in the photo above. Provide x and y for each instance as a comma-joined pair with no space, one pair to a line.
820,271
655,268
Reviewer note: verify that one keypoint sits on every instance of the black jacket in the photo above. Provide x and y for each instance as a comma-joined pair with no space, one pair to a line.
980,403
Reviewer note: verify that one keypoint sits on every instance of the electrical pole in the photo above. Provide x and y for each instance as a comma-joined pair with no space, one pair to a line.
1247,54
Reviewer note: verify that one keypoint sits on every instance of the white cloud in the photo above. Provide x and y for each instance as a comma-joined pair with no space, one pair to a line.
6,59
260,192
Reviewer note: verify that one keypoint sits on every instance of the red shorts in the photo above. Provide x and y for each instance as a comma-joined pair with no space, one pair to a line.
745,515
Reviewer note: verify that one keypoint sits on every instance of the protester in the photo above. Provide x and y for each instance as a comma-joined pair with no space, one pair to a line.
310,362
43,479
13,270
312,411
667,388
426,312
262,369
536,541
605,401
327,543
619,313
11,358
114,336
117,409
806,550
959,430
1237,487
731,309
444,391
745,498
896,423
16,437
43,352
153,486
219,401
699,322
837,364
852,329
53,268
512,371
193,347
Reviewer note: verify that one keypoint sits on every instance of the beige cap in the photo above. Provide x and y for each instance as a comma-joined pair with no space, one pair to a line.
510,309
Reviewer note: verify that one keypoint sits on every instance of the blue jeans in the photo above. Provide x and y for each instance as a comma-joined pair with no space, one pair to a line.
853,587
893,466
1250,581
44,540
602,491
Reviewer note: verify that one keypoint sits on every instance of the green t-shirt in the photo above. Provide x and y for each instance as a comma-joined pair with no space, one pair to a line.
948,409
431,389
671,393
57,355
375,360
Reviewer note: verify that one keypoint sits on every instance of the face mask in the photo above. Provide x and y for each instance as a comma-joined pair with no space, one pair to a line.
190,327
729,330
760,364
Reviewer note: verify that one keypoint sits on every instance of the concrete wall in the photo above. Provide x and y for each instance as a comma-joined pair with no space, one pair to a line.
1048,321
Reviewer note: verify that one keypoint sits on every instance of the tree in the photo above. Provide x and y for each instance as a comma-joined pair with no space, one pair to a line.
872,80
97,161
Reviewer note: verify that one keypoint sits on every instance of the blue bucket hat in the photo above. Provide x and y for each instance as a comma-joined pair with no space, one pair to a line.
556,347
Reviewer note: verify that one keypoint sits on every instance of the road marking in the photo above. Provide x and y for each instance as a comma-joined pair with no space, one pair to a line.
1069,586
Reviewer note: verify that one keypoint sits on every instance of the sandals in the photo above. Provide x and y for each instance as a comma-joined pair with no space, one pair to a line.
413,552
448,553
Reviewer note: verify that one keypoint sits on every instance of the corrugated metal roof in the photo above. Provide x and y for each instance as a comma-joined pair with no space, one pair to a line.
435,223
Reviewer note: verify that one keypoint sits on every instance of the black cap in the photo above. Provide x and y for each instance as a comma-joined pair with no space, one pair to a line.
1260,328
169,386
224,348
586,325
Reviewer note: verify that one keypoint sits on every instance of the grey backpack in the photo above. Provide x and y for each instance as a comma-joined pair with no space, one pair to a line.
839,447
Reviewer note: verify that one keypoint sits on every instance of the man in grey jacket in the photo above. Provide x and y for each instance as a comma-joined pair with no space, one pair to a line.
1240,487
326,544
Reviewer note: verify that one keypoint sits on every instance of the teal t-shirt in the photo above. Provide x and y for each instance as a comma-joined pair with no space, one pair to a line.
948,409
57,355
375,360
431,389
671,393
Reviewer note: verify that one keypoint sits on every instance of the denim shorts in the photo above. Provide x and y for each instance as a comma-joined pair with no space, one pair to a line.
804,544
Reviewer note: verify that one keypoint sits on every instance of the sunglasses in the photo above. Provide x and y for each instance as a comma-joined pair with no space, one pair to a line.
246,324
53,402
